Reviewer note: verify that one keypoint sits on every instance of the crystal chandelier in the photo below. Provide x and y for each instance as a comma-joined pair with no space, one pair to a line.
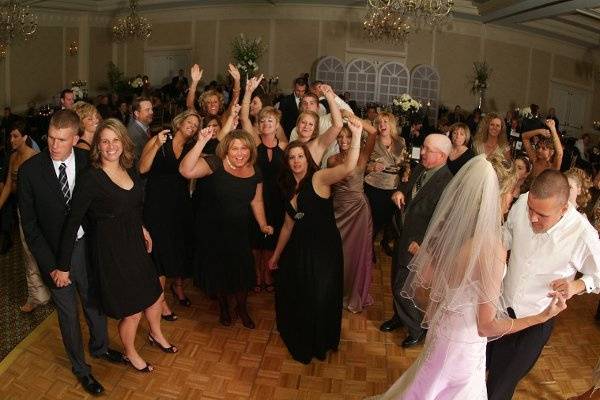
16,22
394,20
132,26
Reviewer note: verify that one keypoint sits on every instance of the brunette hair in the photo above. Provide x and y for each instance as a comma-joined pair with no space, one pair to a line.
244,137
465,129
65,119
127,156
286,180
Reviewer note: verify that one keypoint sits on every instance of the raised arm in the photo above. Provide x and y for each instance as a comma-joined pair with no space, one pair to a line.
325,139
235,92
527,141
367,150
150,150
230,122
251,86
193,165
324,178
558,149
196,75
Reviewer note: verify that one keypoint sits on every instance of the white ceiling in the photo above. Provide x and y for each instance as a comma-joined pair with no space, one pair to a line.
577,21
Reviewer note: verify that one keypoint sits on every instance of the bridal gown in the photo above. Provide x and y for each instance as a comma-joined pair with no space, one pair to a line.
452,363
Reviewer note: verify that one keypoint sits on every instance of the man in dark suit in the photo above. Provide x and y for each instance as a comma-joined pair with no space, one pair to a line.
139,126
290,104
418,198
45,184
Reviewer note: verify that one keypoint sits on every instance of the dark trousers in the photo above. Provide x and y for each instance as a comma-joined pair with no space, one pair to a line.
382,209
511,357
65,299
404,308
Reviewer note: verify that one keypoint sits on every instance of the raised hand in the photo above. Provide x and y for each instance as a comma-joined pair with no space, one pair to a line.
235,110
161,137
550,123
233,71
196,73
355,125
326,90
253,83
206,134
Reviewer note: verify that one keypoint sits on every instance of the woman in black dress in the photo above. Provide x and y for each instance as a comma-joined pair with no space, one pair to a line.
167,206
235,191
110,194
461,152
309,284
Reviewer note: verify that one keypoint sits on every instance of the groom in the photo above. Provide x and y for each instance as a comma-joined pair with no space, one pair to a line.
46,182
549,242
419,198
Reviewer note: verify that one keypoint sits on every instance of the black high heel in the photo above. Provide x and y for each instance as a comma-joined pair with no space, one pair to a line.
184,302
169,317
153,342
246,320
148,368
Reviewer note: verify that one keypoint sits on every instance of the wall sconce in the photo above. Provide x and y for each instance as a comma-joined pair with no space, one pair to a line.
73,49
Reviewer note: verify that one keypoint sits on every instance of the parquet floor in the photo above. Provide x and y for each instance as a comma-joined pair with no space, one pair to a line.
236,363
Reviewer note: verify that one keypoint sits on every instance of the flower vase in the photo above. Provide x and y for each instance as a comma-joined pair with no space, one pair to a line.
481,100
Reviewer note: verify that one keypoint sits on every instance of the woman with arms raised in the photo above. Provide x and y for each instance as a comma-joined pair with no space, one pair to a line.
226,266
309,283
110,195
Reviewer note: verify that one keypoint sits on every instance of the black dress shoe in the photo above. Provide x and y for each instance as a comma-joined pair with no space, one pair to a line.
387,248
412,341
91,385
112,356
390,325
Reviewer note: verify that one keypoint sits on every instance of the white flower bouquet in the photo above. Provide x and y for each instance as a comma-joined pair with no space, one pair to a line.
136,83
526,113
79,89
405,107
246,53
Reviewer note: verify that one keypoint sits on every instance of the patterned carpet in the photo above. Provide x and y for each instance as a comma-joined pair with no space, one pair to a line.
15,325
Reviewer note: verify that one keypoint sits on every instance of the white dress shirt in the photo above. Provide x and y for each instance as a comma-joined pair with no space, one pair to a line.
70,170
536,259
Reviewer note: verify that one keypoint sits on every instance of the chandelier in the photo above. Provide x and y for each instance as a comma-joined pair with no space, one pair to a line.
394,20
16,22
132,26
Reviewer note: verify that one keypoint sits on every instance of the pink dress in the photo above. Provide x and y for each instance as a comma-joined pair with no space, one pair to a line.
353,219
452,364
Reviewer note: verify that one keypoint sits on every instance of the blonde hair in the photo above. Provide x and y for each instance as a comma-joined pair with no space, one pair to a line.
483,130
391,120
241,135
314,116
84,110
179,118
127,156
465,129
269,112
585,183
204,98
506,172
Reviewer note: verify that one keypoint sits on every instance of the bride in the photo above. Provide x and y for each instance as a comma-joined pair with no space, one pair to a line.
456,279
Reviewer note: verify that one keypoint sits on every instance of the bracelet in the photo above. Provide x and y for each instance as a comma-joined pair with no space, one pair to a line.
355,147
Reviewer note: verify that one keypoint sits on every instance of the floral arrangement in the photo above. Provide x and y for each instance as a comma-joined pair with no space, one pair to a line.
136,83
246,53
79,89
405,107
596,125
479,80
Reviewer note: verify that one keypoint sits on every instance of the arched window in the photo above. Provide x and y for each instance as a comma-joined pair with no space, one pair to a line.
425,87
392,81
361,79
331,71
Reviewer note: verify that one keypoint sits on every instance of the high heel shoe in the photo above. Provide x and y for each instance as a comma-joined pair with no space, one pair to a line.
184,302
246,320
153,342
224,317
169,317
146,369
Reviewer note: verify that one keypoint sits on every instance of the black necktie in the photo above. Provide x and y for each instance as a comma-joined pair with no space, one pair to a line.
420,181
64,183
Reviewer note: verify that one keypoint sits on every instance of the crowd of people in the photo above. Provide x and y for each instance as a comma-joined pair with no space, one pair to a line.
245,196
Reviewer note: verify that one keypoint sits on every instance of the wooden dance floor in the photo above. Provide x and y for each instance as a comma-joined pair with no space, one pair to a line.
235,363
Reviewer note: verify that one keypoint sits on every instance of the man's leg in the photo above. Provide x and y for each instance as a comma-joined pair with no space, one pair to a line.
511,357
90,300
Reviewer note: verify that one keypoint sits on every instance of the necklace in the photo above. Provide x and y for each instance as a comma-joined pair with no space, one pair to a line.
229,163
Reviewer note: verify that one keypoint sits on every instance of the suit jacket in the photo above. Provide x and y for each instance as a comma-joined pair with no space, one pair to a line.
43,208
138,135
289,113
418,210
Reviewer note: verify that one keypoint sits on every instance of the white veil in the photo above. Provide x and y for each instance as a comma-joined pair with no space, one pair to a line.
460,264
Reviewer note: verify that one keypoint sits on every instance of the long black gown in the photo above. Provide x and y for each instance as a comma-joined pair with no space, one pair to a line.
126,274
309,283
272,197
168,213
224,262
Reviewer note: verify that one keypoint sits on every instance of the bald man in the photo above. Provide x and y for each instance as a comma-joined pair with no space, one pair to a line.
416,200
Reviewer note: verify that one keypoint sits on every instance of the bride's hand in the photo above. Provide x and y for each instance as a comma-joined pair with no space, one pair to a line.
557,305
